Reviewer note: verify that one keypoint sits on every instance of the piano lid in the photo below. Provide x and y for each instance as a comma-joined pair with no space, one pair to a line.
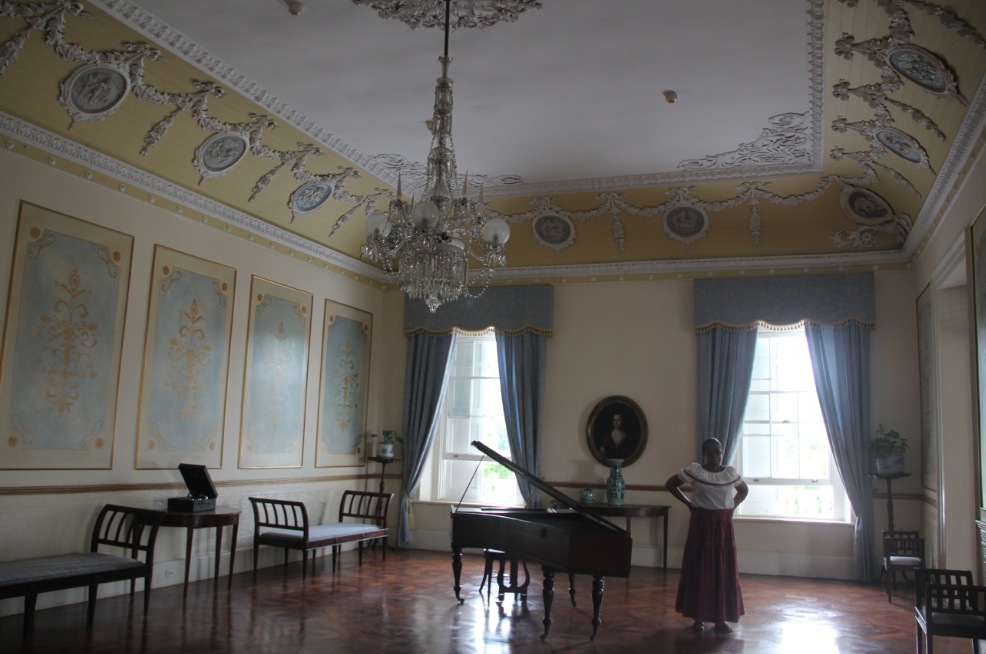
544,486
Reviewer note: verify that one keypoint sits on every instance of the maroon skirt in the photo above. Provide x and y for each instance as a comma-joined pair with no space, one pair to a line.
709,590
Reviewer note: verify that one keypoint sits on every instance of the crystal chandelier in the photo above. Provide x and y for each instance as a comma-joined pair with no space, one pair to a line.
425,246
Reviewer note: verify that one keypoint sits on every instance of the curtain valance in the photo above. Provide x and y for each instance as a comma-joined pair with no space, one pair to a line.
743,302
507,309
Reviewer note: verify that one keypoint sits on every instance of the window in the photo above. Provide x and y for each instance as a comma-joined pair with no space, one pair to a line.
784,454
472,410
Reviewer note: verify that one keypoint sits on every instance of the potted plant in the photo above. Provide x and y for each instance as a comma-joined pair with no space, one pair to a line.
385,448
887,449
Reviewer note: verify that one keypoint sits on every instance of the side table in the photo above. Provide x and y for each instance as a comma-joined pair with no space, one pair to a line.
219,518
635,511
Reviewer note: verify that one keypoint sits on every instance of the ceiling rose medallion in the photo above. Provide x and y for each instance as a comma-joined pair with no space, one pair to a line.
464,13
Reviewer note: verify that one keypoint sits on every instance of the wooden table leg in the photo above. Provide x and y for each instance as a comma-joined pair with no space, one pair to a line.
666,540
188,557
219,551
232,553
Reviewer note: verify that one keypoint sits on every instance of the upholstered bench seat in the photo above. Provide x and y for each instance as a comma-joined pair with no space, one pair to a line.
285,523
65,567
331,532
906,561
129,529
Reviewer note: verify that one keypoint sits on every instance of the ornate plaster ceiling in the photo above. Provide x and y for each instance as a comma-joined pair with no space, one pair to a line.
824,133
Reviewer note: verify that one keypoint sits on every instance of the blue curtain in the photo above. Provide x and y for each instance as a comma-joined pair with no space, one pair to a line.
725,368
424,384
840,357
521,360
838,311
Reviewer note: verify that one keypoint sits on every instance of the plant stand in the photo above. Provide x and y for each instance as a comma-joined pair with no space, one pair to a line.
890,496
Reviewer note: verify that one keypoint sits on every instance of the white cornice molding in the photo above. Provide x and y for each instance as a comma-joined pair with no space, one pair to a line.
958,156
84,156
89,158
691,267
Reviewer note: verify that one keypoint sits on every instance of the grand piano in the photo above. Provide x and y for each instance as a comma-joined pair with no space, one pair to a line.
571,539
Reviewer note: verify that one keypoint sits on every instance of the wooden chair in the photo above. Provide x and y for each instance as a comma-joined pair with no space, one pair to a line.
903,551
948,604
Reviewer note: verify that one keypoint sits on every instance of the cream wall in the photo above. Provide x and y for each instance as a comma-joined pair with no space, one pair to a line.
633,339
637,339
36,518
941,274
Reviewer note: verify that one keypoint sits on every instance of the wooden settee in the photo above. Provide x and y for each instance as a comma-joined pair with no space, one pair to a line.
362,519
129,529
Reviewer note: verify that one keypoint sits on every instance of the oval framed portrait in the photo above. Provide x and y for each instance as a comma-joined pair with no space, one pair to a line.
553,231
686,223
921,67
94,91
219,153
902,144
865,207
616,431
310,196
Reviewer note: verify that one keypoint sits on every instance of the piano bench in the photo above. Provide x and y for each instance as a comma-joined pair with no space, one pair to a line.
497,556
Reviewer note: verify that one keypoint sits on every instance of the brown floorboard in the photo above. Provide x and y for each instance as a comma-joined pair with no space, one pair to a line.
406,604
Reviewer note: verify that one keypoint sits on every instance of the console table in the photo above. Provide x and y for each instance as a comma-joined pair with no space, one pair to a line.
219,518
635,511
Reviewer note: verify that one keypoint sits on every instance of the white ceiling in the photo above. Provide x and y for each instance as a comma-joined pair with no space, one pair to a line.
571,91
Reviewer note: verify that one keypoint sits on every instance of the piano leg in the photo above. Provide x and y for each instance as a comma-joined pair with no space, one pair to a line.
549,595
457,571
598,585
571,587
500,587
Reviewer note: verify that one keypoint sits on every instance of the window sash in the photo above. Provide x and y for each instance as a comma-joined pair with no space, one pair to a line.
471,410
782,427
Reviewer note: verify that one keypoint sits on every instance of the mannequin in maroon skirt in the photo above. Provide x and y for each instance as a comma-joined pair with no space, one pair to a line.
709,590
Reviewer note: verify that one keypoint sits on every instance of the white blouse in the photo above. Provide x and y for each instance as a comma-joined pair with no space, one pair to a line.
711,490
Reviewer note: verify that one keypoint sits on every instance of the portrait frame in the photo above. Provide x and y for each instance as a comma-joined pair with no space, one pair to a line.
347,333
182,414
275,377
928,383
977,268
62,342
602,421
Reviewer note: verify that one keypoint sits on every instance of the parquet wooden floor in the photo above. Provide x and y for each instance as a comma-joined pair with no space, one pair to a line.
406,604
